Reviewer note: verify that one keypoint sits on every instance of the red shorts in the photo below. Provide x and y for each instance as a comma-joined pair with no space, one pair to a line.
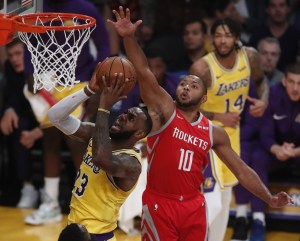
174,217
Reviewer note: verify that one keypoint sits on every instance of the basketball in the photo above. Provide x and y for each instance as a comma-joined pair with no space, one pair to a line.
113,65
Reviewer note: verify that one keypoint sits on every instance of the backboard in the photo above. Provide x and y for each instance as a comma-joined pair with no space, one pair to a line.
20,6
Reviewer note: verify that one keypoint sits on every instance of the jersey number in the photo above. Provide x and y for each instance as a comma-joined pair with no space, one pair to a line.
186,160
84,179
238,104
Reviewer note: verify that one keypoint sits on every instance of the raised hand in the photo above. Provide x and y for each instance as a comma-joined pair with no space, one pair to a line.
113,93
280,200
123,24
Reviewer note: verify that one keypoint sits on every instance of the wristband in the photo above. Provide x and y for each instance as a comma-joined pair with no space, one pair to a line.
103,110
88,88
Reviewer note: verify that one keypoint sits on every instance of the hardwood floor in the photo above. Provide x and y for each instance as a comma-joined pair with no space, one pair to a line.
12,228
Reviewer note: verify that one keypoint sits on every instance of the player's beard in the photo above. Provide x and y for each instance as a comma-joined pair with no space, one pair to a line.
225,54
121,136
187,104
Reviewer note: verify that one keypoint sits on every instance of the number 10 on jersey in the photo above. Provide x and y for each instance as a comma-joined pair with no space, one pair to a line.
186,160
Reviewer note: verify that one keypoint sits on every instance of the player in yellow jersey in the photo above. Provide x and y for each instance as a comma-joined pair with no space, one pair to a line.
227,72
110,167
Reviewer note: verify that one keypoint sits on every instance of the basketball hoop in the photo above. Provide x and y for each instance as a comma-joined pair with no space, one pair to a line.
54,40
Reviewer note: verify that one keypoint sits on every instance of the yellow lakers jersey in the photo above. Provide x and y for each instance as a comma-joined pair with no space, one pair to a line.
96,200
227,93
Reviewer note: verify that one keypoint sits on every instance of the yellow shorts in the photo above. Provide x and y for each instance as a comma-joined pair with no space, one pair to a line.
220,171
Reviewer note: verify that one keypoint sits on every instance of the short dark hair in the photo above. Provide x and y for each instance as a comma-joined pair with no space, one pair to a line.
234,26
270,40
13,43
286,1
197,20
149,122
73,232
293,68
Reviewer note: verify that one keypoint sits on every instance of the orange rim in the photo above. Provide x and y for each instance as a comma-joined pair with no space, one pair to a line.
25,23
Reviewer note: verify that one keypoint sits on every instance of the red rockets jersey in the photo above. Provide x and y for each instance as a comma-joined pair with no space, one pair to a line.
177,155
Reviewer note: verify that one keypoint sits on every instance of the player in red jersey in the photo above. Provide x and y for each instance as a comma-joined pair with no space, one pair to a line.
173,206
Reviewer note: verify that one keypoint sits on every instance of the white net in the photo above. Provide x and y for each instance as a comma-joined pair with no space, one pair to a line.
54,53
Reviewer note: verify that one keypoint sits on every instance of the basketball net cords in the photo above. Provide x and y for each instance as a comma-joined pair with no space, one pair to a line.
55,63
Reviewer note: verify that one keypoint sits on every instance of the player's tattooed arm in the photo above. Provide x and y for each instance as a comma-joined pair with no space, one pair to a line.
126,171
123,169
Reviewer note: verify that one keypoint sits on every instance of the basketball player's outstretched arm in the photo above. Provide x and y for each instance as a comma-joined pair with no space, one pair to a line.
60,114
246,176
159,102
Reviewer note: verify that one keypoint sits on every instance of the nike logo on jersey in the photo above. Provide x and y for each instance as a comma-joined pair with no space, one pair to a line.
219,76
179,117
279,117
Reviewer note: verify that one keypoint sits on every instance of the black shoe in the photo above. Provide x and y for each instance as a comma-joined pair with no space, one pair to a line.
240,229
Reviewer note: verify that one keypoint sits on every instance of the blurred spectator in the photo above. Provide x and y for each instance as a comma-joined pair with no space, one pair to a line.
295,14
140,9
269,53
279,28
19,124
105,10
281,135
279,145
194,37
147,8
49,210
170,15
251,14
219,9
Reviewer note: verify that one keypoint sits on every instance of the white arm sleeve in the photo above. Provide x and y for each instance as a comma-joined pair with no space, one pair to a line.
59,114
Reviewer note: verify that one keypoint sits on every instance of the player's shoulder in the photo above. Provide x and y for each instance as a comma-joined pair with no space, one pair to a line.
201,69
250,51
200,63
219,134
128,153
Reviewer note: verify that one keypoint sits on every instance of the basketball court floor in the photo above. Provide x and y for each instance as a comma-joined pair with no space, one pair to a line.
12,228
